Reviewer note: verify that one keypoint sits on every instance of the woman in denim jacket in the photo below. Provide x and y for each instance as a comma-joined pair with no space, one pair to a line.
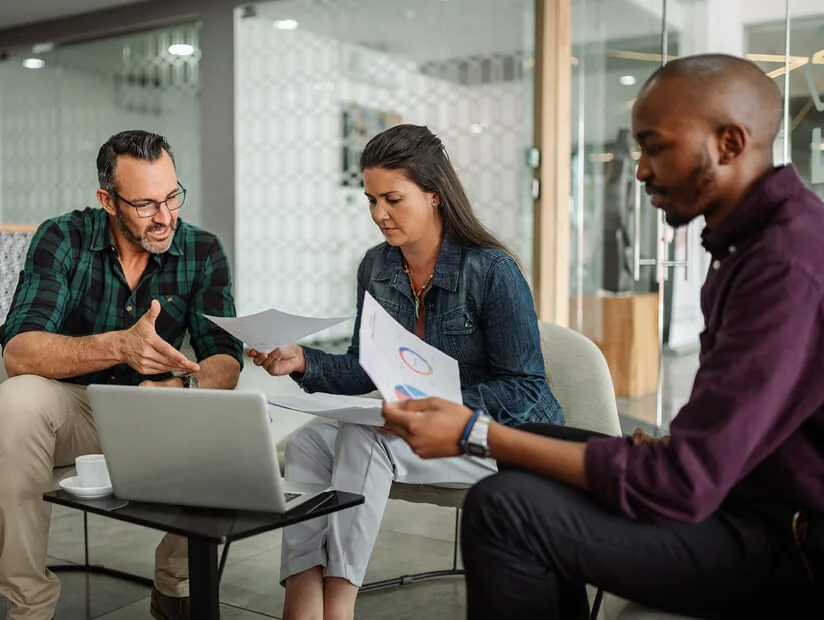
445,277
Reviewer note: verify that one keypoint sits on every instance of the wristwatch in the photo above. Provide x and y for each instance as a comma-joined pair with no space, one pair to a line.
476,442
190,382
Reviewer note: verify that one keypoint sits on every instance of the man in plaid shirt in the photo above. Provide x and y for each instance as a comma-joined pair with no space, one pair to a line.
106,296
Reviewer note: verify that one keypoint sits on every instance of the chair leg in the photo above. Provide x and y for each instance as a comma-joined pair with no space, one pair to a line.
407,579
456,539
96,569
596,604
223,557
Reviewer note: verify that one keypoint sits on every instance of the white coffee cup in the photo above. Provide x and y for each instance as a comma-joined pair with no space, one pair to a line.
92,471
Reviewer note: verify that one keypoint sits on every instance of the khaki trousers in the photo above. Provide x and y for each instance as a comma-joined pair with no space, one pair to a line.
46,424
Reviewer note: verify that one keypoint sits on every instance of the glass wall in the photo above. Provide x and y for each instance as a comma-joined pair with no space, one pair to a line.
59,104
316,80
635,283
805,98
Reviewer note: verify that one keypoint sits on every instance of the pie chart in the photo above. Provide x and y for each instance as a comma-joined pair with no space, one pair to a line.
408,392
415,361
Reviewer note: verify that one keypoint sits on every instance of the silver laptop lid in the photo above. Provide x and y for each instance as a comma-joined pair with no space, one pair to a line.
211,448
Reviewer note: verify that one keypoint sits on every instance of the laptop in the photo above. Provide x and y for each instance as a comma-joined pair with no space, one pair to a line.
207,448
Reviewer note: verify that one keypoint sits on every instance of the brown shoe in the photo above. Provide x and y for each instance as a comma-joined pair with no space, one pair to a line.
169,607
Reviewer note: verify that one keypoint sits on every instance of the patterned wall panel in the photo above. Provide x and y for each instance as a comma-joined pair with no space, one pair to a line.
302,217
54,119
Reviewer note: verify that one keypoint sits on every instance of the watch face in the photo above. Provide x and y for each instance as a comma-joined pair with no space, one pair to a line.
190,381
474,449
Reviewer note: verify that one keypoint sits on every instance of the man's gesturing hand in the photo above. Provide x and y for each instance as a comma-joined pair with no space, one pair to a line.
146,352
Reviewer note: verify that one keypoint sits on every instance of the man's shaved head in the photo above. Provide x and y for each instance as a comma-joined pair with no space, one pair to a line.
728,90
705,124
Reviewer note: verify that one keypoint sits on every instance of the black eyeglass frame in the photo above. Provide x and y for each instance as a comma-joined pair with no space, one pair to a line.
180,193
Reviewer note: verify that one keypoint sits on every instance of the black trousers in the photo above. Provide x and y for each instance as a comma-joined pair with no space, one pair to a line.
531,544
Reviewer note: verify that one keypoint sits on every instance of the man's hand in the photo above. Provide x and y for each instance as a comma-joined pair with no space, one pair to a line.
432,427
281,361
173,382
639,437
146,352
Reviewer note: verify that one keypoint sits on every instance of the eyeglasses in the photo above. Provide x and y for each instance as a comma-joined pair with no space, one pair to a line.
149,208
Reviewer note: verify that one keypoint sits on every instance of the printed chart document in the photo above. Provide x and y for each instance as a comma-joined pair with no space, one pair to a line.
353,409
401,365
270,329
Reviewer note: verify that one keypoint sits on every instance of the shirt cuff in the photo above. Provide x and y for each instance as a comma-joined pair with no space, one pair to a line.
313,363
605,464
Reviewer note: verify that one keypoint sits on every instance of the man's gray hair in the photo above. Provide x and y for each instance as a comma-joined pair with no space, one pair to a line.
136,143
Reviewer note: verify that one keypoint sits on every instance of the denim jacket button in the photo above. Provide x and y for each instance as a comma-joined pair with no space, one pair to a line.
468,324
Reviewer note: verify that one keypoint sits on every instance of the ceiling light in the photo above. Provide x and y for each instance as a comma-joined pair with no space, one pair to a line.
286,24
410,14
34,63
181,49
627,80
476,128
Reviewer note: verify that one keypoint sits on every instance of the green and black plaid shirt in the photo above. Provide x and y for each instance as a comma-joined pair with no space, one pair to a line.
73,284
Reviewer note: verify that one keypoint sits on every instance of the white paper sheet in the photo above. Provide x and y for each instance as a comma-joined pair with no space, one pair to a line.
401,365
267,330
354,409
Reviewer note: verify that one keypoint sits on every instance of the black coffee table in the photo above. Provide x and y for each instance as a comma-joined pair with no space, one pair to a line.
206,529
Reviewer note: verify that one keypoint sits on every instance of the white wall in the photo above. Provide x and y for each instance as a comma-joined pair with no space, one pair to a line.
300,234
53,123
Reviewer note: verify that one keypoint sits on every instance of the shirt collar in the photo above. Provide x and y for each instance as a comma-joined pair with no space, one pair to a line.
101,235
752,215
447,267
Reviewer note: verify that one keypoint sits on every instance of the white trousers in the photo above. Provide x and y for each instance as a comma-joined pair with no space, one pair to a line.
363,460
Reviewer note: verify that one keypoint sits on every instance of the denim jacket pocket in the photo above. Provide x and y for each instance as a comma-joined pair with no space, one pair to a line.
462,340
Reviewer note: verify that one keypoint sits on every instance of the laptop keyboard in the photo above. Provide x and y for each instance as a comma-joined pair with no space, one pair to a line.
291,496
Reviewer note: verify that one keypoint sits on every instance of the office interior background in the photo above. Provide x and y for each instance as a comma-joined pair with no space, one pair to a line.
268,105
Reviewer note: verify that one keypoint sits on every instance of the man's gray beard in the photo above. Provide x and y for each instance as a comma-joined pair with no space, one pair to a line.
143,242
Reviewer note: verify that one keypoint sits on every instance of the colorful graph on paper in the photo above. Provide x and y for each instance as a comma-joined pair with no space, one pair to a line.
401,365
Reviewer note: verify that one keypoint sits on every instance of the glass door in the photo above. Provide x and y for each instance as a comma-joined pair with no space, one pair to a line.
616,236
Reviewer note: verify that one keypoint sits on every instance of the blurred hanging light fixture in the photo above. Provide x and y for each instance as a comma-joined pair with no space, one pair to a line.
286,24
181,49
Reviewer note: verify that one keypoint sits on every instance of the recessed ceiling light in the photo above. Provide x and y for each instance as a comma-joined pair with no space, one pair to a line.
627,80
476,128
181,49
286,24
34,63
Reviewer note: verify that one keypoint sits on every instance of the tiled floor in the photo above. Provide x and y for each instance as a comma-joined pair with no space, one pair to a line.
413,538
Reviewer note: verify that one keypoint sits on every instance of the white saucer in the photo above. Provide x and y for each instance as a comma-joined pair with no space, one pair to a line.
72,485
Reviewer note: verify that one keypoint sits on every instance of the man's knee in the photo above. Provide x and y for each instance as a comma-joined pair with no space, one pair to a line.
515,495
22,415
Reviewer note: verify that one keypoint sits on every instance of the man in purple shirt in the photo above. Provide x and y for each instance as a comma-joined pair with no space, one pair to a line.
722,519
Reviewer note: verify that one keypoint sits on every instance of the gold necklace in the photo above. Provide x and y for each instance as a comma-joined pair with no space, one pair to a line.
417,293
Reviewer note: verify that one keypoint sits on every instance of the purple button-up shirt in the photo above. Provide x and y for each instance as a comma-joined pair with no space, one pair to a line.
754,422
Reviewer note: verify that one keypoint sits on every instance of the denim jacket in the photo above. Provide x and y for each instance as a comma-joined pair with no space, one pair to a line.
479,310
